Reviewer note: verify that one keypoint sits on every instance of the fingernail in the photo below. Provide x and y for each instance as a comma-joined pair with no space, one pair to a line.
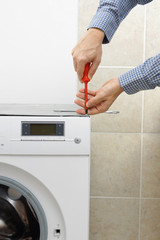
89,76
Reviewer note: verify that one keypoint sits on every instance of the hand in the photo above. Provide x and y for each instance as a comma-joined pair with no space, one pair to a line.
89,49
99,101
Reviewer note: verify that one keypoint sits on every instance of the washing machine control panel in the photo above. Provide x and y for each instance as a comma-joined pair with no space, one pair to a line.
43,128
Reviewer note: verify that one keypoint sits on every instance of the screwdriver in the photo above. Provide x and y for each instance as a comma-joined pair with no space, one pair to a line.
86,79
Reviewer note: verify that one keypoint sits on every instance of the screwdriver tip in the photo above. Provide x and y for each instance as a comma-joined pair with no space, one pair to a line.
86,111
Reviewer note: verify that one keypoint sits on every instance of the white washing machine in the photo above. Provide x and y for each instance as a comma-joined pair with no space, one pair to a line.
44,173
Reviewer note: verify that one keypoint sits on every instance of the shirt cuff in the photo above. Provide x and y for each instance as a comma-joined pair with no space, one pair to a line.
134,81
106,22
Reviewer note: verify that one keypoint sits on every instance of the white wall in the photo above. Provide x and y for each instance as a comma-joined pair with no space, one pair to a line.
36,39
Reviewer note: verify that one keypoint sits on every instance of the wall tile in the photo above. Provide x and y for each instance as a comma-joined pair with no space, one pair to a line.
150,223
129,106
87,9
126,47
151,166
153,29
152,111
115,165
116,139
114,219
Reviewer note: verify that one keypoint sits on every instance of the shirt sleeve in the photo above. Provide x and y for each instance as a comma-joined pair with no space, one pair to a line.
110,14
145,76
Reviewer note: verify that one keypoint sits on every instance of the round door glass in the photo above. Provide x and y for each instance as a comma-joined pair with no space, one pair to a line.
20,214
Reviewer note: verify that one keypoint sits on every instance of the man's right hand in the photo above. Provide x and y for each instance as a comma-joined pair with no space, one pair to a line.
89,49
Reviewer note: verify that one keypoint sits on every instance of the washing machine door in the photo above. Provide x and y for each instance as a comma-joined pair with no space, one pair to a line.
18,218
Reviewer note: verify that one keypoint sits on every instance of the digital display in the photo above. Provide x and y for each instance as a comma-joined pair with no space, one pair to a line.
43,128
38,129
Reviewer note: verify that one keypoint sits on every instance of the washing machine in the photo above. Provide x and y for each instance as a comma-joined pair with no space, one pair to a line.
44,173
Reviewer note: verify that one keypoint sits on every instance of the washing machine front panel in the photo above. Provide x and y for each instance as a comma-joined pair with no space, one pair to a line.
55,168
48,213
67,180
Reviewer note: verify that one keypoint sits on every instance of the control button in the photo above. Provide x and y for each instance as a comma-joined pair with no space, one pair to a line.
1,145
25,129
77,140
60,129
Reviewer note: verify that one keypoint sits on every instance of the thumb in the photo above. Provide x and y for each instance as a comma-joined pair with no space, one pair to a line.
94,101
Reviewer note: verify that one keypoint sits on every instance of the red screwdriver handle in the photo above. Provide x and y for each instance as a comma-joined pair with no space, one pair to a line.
86,79
85,74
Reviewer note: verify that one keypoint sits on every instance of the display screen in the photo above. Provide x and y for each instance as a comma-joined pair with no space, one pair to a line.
43,128
37,129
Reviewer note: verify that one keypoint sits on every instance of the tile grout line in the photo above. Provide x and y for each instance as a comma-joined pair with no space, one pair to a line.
130,198
107,67
117,133
107,197
142,129
144,133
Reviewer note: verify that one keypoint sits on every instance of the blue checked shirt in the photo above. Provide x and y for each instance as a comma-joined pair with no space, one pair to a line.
108,17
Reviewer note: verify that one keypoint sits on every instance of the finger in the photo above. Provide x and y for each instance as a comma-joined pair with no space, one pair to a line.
79,103
82,96
100,108
80,68
74,61
90,92
92,111
93,68
75,65
94,101
81,111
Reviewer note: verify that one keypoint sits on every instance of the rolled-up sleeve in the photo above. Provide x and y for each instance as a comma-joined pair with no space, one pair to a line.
145,76
110,14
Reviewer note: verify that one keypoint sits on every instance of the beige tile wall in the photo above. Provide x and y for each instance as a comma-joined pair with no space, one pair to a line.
125,162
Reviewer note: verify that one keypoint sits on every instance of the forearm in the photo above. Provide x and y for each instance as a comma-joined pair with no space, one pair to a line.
110,14
143,77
